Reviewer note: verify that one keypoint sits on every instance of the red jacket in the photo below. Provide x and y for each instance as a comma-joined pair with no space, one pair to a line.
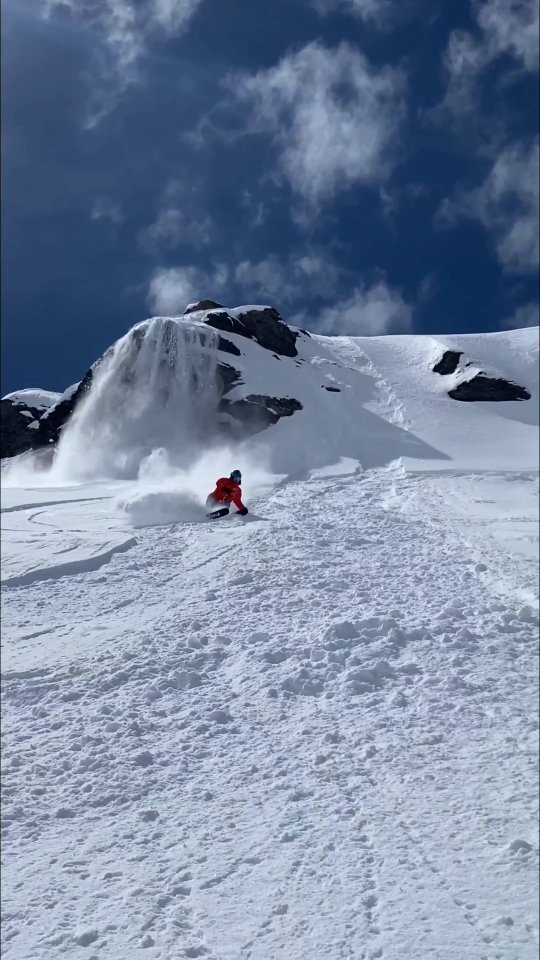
228,491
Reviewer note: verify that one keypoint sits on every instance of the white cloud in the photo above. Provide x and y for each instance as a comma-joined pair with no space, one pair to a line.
511,26
507,204
180,221
334,118
275,280
369,311
427,289
125,27
528,315
173,16
464,60
267,275
171,289
105,208
312,273
255,207
382,14
505,27
172,228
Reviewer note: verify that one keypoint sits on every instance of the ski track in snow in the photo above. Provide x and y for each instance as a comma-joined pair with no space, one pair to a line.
71,567
311,738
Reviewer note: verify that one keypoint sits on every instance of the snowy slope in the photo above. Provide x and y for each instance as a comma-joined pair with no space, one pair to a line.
311,734
495,435
392,377
34,397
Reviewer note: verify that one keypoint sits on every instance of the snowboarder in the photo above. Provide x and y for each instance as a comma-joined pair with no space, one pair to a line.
227,491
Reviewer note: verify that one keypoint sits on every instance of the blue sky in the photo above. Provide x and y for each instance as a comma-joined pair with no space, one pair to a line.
366,166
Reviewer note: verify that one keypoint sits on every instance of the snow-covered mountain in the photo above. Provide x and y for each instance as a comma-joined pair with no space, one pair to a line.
264,371
307,733
20,413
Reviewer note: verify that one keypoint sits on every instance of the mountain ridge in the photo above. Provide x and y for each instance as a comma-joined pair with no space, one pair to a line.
454,360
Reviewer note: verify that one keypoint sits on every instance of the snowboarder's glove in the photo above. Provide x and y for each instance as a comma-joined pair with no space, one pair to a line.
243,511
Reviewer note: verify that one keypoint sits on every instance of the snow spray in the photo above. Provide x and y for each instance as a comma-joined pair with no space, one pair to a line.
157,388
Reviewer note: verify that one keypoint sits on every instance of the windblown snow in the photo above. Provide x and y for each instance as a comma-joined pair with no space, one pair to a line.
307,734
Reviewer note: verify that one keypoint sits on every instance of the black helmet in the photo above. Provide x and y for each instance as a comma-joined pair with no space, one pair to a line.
236,476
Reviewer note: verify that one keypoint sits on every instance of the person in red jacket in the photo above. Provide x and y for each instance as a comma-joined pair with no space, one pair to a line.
227,491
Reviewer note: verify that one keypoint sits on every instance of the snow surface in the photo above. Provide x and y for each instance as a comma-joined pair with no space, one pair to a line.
310,733
67,394
34,397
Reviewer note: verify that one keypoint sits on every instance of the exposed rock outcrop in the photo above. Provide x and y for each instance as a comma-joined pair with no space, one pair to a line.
16,435
448,362
264,325
227,347
256,412
20,415
52,422
203,305
494,389
480,386
229,377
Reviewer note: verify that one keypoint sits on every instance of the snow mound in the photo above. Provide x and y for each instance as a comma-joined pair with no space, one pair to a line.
34,397
156,508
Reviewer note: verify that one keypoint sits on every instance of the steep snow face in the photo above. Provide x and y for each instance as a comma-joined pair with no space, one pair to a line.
377,399
157,387
474,435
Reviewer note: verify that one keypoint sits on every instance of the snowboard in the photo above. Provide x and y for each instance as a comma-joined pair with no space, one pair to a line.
216,514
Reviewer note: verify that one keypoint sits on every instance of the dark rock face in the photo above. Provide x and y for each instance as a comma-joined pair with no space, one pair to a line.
51,423
333,389
227,347
16,436
265,326
204,305
448,362
494,389
479,387
256,413
229,377
278,406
